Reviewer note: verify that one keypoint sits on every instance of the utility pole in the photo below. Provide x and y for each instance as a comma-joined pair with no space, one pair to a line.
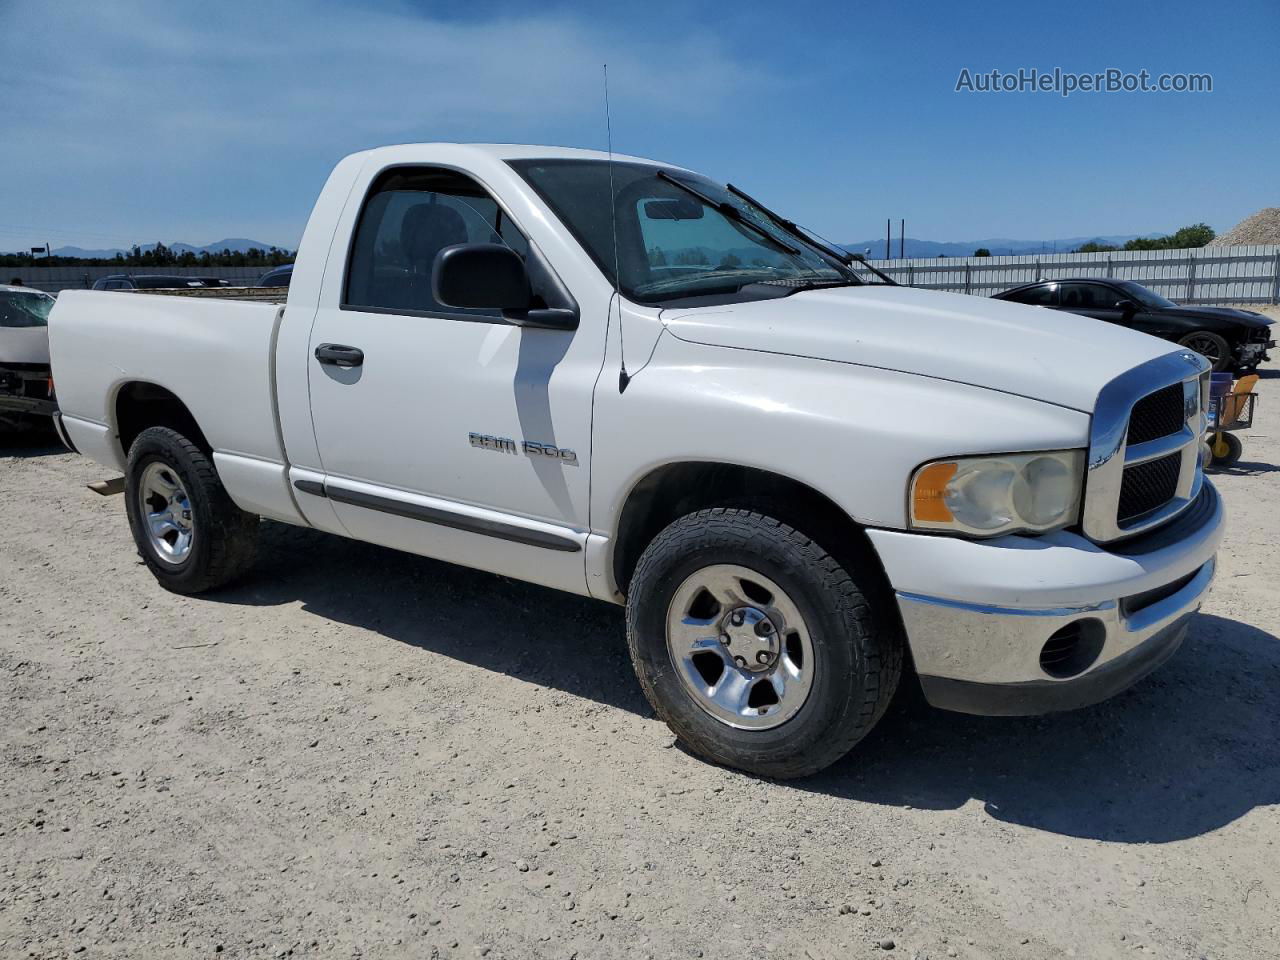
902,238
888,238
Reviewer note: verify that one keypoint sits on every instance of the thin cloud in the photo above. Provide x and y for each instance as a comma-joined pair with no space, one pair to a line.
124,118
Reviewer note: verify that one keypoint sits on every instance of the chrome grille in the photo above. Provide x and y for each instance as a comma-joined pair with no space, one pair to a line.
1157,415
1144,450
1147,487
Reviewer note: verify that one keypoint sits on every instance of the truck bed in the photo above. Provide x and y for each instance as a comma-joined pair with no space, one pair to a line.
214,354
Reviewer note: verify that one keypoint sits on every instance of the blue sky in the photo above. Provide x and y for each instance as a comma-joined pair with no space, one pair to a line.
131,121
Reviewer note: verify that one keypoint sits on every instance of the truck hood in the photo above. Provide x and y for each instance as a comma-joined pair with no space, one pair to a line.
24,345
1034,352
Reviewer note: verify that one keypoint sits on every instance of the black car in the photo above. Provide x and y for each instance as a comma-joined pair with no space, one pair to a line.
277,277
1235,340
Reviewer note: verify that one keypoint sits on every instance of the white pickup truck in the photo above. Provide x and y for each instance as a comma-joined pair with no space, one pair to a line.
621,379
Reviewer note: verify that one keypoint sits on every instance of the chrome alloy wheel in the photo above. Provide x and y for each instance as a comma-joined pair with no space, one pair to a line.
740,647
165,508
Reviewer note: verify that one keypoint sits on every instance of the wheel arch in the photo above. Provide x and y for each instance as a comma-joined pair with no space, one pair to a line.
672,490
139,404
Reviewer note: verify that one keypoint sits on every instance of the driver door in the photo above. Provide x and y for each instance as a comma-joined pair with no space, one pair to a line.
449,432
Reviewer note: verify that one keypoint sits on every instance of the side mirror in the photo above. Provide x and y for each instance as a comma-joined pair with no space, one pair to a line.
485,276
1126,306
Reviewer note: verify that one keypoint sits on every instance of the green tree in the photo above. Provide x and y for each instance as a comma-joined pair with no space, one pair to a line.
1196,235
1095,246
982,252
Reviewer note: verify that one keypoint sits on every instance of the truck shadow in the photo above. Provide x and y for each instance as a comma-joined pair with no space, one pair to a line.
543,636
29,442
1190,749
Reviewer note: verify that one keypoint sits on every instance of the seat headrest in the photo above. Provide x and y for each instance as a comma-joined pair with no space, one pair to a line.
428,228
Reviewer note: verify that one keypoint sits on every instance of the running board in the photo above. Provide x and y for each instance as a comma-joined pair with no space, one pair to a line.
107,488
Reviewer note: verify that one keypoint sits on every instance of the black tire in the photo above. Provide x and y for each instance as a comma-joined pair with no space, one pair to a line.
857,647
225,540
1235,448
1211,346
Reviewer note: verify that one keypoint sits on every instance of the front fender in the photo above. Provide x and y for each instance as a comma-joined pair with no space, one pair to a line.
854,434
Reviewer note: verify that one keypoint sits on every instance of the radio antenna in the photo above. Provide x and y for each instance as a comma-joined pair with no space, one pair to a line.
623,377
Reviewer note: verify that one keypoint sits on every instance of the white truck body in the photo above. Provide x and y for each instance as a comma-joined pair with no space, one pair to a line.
844,392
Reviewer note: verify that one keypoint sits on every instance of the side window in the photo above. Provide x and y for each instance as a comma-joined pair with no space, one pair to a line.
1088,296
1045,295
409,216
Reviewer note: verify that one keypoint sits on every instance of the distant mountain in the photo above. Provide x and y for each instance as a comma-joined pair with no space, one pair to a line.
234,244
999,246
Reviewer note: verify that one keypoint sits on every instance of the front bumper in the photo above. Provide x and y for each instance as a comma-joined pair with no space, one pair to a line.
25,391
1253,353
979,614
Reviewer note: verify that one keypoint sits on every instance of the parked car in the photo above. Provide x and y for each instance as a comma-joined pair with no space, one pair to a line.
788,474
143,281
26,390
277,276
1230,339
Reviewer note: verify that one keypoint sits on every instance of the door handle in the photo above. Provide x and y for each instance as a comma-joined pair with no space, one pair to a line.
339,355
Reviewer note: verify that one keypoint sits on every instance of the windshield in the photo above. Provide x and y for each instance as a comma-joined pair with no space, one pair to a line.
1144,296
679,235
24,309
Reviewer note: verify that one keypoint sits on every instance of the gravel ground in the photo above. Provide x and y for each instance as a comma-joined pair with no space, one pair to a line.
361,753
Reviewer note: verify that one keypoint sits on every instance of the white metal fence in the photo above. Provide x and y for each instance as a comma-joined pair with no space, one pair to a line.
1206,275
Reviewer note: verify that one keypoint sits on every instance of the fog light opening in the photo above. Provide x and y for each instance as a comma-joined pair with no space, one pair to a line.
1073,649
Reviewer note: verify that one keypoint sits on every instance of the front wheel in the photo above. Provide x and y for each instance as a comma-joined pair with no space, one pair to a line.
1211,346
188,531
758,648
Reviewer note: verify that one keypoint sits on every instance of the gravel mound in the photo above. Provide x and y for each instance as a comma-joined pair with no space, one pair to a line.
1262,227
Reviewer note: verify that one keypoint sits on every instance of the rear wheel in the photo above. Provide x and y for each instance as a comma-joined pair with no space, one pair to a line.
755,646
188,531
1211,346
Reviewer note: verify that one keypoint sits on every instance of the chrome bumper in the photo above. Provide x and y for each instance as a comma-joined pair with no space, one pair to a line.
984,654
1131,647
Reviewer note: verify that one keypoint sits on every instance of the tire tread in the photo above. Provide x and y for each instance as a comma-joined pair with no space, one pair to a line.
879,645
231,533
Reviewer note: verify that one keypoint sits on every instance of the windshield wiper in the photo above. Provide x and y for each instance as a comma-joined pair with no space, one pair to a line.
730,212
793,228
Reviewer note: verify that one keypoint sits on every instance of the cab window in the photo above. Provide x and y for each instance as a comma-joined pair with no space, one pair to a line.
409,216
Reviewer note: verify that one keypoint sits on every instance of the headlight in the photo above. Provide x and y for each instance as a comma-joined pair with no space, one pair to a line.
1002,493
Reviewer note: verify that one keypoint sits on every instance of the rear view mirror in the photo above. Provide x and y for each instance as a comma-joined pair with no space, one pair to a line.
673,208
483,276
1125,306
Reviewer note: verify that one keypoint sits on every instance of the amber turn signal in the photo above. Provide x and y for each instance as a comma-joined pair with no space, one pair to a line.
928,491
